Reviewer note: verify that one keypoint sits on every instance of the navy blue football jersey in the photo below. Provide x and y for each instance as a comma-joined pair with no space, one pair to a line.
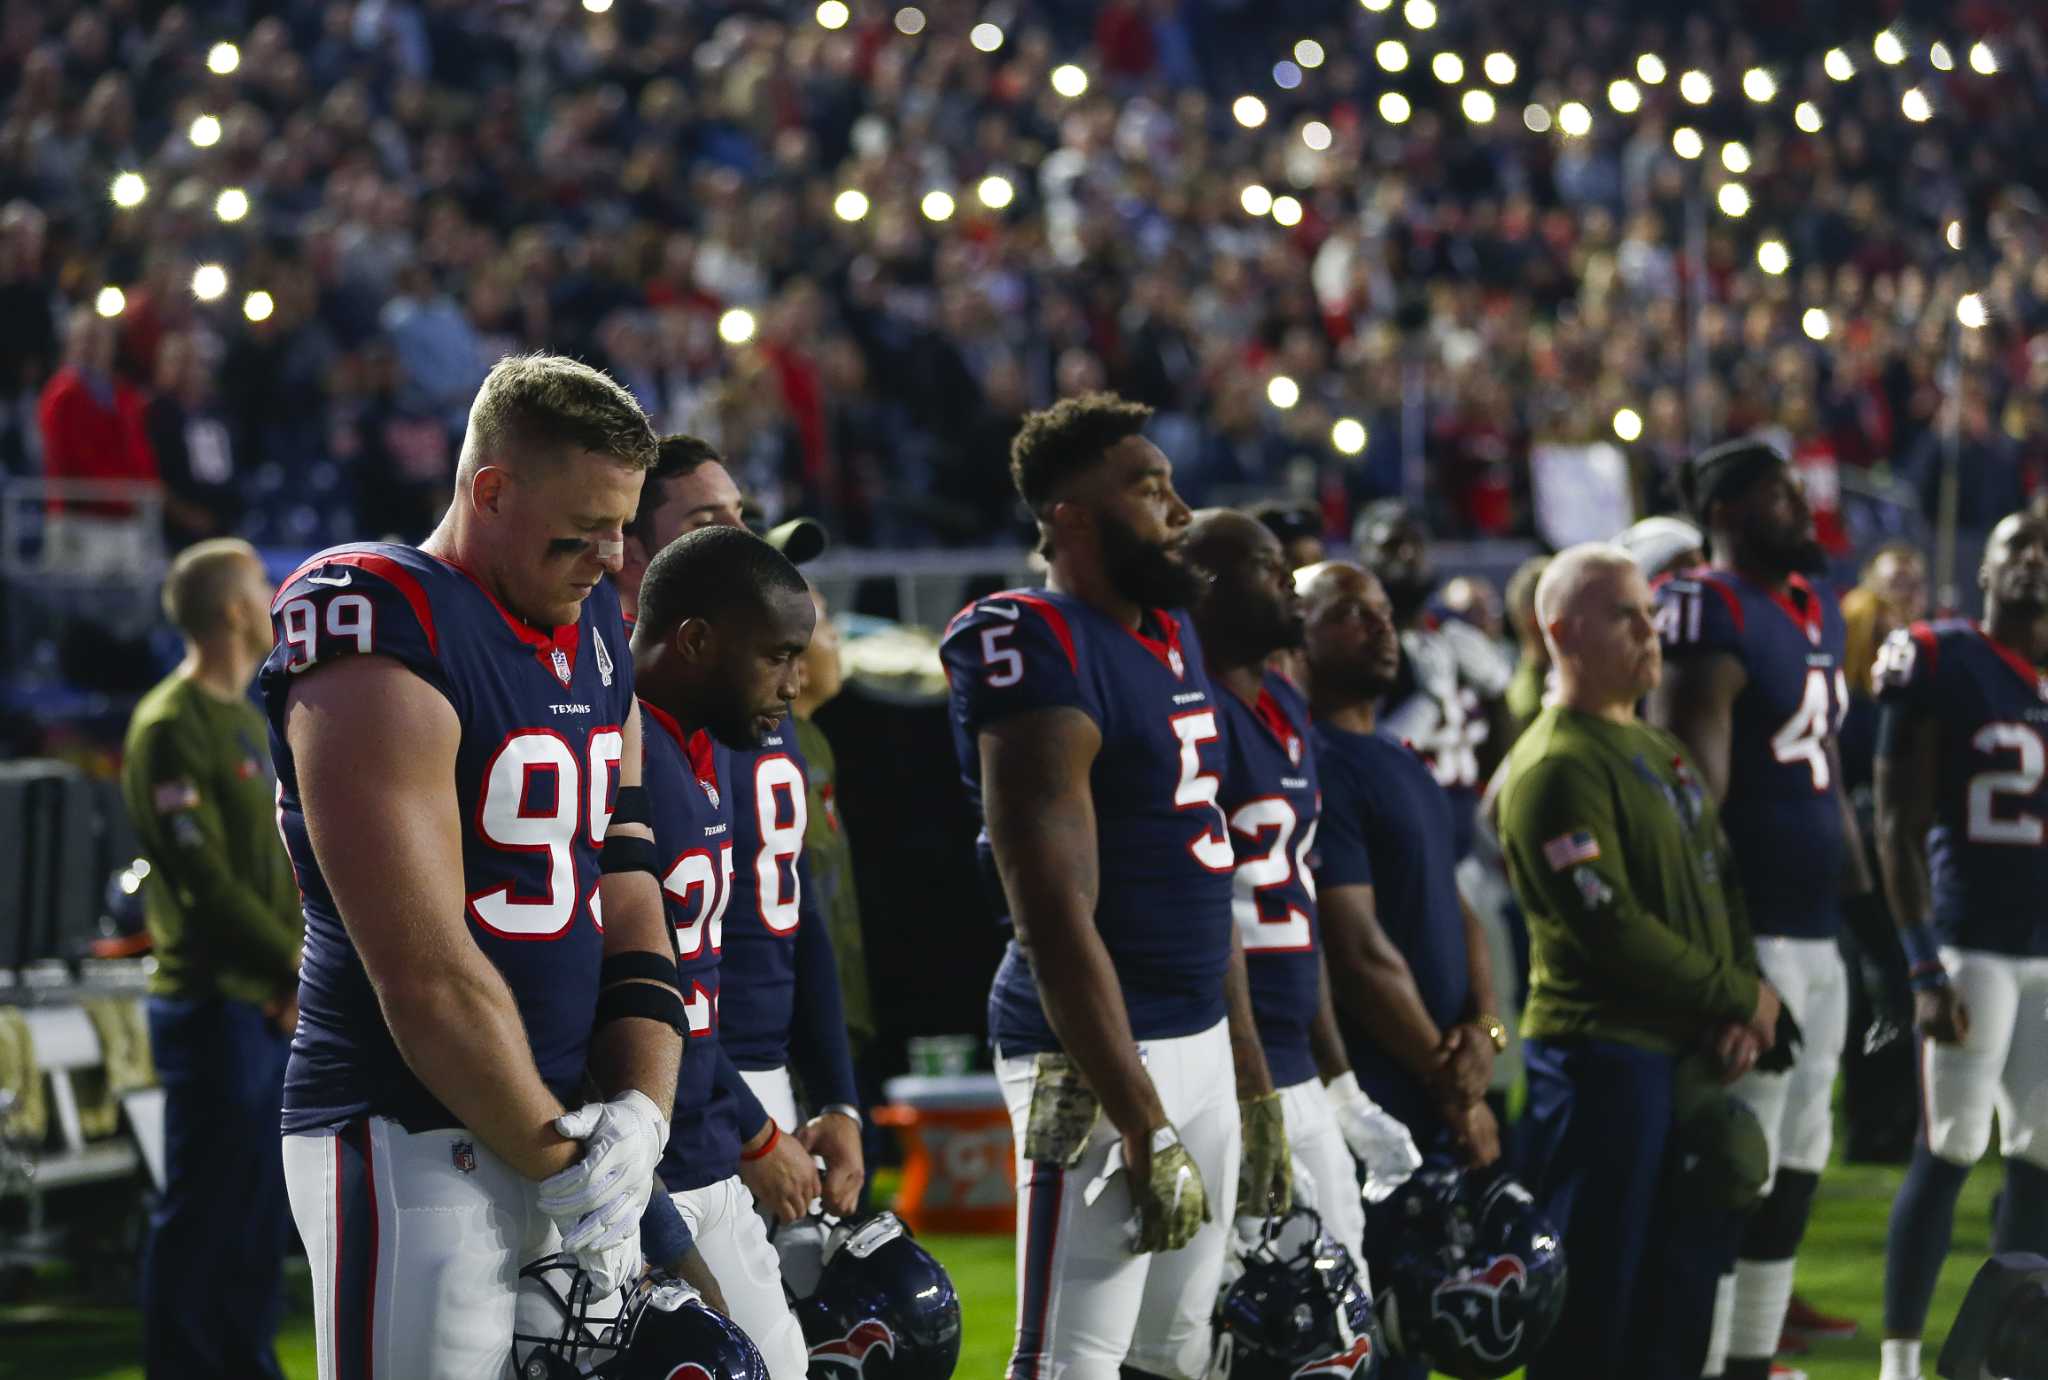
1271,799
1162,843
1986,854
536,779
1387,824
1449,671
1783,820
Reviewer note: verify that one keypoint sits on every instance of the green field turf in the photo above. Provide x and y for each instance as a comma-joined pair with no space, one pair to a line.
1841,1270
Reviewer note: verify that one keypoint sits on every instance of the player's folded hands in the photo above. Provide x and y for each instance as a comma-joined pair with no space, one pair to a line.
1265,1179
597,1201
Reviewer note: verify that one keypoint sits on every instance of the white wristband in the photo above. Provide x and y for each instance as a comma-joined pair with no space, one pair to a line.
1344,1088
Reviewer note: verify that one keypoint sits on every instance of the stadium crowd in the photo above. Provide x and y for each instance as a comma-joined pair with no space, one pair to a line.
417,187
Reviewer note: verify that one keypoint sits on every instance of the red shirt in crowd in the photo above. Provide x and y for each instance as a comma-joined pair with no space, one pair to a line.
93,433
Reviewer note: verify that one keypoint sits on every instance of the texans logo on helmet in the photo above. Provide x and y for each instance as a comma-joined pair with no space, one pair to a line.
1471,1306
690,1370
850,1353
1344,1363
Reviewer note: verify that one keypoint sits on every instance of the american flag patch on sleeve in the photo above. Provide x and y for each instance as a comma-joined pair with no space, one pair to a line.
169,797
1569,850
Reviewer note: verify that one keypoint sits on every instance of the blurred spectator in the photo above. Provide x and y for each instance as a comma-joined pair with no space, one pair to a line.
1897,574
194,450
28,329
92,430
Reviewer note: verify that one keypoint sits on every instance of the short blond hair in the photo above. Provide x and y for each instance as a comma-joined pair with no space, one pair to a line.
201,582
536,408
1569,572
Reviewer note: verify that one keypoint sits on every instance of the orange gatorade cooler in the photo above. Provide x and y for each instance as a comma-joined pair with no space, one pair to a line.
959,1168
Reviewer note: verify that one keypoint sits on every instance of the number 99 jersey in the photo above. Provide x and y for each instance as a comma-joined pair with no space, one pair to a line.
536,779
1985,853
1782,815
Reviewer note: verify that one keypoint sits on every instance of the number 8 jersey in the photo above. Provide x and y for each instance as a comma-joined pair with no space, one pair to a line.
1782,814
1986,855
536,778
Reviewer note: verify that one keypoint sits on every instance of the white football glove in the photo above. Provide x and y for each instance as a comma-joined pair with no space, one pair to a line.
1374,1136
597,1201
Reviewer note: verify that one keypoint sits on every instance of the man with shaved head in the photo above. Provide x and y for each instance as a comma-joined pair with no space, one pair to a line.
1641,954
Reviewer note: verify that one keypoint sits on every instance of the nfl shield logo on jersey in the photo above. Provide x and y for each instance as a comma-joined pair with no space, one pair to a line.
463,1153
1173,660
710,791
561,660
604,661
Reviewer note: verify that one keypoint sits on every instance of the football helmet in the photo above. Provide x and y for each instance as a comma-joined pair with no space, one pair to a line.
871,1301
1473,1276
654,1329
1300,1309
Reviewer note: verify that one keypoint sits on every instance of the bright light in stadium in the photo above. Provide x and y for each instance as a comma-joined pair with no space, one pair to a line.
832,14
111,302
1286,75
1651,69
128,190
1889,50
1377,6
1448,68
1916,106
232,204
1069,80
1953,234
736,327
205,132
1282,391
1287,211
1941,58
1734,157
1478,106
986,37
1249,110
1574,119
1772,257
1838,65
597,6
1970,312
1628,424
1815,324
910,21
1309,53
1759,86
1420,14
1536,119
1256,200
937,205
1807,116
1733,199
209,281
850,205
1394,108
1624,95
995,192
223,58
1696,86
1499,68
1347,434
258,305
1316,135
1391,54
1686,142
1983,61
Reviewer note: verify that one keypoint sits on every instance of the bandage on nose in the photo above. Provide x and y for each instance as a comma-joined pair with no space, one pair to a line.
609,550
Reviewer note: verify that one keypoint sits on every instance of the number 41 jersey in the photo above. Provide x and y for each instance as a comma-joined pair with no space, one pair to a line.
1988,851
536,779
1782,815
1162,844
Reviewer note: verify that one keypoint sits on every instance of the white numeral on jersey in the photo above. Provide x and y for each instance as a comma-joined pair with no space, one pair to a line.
1804,736
695,872
607,746
1290,928
1985,826
348,616
1895,660
994,655
1197,788
503,819
1677,618
701,1010
780,843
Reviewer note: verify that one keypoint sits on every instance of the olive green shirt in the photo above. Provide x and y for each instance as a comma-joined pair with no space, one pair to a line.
1615,851
831,859
1525,691
220,898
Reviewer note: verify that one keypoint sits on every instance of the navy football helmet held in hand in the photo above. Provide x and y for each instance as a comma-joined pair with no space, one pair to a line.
653,1329
1473,1275
1300,1309
872,1302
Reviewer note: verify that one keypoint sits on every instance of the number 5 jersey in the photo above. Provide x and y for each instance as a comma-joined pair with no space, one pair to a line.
536,778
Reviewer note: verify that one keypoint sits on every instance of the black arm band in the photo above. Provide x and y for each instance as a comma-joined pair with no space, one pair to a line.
644,1000
636,964
633,807
622,853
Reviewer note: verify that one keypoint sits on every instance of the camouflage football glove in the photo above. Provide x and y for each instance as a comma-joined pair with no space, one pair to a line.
1063,1114
1172,1204
1265,1176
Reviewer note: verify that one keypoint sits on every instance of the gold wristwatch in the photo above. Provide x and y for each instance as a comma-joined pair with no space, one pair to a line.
1495,1031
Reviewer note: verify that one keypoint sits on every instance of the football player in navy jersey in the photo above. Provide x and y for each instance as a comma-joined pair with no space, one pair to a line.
1089,735
1962,818
724,618
1408,966
784,1006
1753,684
458,761
1271,799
